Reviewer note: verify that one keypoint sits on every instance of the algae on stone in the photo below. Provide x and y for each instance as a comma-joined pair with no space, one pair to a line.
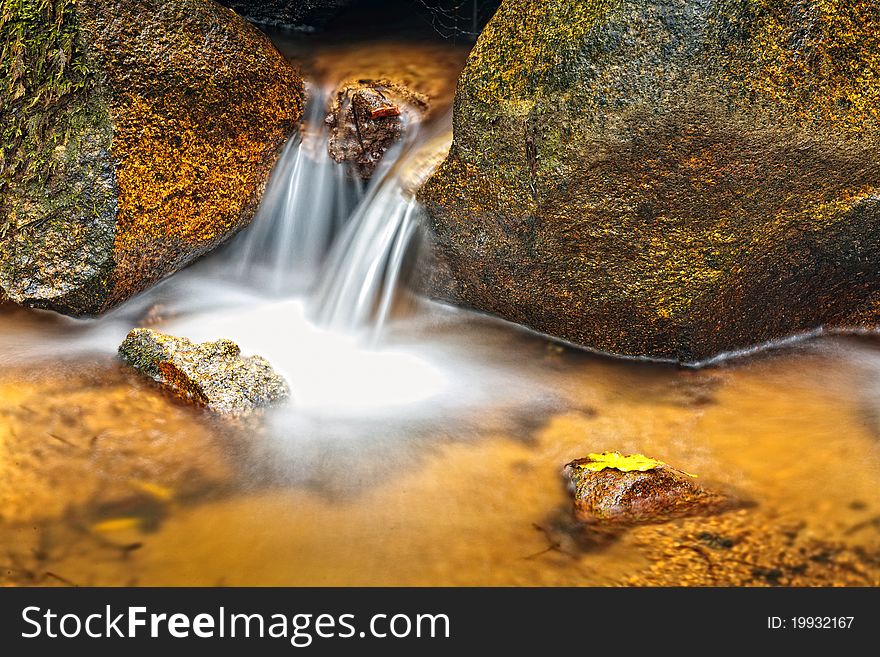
209,374
666,178
138,135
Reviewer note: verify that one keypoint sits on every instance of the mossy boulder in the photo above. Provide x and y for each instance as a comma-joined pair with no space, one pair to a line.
666,178
213,375
137,135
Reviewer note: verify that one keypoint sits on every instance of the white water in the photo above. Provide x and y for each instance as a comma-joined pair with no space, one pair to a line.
364,271
307,201
312,285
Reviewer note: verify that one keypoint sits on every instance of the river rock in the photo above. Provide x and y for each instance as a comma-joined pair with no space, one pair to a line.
305,15
137,136
673,179
366,118
612,491
209,374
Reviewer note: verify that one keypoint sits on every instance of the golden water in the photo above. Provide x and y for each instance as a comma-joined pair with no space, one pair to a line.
105,480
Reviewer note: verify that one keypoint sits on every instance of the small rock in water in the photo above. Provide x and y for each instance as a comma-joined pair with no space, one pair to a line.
612,490
366,118
210,374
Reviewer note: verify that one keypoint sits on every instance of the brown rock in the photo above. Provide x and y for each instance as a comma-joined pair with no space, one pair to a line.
674,180
614,498
367,117
137,135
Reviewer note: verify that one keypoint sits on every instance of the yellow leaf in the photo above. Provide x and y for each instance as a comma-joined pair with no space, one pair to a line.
116,525
156,491
617,461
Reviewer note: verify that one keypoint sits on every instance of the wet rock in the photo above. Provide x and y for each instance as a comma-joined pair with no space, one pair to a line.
305,15
612,491
666,179
209,374
366,118
137,136
422,162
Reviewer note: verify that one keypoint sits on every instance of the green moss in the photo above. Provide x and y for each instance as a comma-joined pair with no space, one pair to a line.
45,77
57,198
121,159
664,178
529,45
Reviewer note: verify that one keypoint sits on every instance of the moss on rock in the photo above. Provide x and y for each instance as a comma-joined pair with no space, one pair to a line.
666,178
211,374
138,135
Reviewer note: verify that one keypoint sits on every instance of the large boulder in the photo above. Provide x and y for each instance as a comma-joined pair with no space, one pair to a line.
213,375
137,135
666,178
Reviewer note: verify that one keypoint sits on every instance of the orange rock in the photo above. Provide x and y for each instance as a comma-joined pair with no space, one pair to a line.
152,149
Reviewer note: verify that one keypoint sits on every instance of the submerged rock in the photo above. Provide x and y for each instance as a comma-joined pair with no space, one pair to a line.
666,179
81,437
614,491
137,135
209,374
366,118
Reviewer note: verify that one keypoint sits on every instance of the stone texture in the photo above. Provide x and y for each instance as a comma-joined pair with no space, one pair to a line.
137,135
612,498
666,178
209,374
366,118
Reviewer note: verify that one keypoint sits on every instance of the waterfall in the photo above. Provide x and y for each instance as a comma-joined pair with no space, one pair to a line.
321,236
365,267
307,201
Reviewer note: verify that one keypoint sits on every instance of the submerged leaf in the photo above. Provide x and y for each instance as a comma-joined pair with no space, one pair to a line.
116,525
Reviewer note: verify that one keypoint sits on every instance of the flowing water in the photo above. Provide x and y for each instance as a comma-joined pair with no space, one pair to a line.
306,203
423,444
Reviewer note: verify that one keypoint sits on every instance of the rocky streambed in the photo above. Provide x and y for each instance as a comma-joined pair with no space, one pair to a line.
107,480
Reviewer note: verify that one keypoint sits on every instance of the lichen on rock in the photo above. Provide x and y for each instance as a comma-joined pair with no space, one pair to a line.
137,136
673,179
209,374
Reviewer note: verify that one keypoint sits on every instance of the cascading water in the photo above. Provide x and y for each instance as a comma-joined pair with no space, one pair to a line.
321,268
307,201
321,233
364,271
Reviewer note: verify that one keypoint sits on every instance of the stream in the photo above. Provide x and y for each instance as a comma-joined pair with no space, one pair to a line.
423,443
